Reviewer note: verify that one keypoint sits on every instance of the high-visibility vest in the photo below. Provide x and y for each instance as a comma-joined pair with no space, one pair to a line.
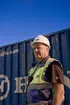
38,73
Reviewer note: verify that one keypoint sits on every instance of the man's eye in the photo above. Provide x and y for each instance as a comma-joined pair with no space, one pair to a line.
36,48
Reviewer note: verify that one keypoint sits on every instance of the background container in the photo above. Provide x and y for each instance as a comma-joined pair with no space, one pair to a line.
16,60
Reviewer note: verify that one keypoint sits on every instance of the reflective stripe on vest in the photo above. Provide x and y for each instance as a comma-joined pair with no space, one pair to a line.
41,103
39,86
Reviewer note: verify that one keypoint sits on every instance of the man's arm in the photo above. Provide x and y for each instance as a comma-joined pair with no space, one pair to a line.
58,84
55,76
58,97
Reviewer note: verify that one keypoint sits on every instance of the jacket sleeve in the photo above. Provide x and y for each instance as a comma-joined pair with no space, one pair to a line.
55,73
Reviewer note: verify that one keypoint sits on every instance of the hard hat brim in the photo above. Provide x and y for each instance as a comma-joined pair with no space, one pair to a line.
33,43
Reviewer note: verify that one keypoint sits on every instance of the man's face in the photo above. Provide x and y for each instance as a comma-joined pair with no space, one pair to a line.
40,51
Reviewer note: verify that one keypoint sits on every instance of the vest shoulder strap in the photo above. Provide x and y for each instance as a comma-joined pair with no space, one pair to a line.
31,72
49,61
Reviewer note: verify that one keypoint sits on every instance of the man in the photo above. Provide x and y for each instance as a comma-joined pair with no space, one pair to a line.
46,80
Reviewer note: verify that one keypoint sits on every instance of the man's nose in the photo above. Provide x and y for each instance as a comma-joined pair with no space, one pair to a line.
36,49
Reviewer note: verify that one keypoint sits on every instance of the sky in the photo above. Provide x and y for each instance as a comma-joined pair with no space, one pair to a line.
24,19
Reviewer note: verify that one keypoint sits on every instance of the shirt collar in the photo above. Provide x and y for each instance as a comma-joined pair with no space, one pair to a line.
42,63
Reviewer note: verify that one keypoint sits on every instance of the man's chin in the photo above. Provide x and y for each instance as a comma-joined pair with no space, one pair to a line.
38,59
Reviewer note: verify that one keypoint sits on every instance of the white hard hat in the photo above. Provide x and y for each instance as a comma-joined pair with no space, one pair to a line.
41,39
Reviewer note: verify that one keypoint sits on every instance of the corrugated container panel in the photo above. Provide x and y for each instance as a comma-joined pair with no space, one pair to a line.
16,60
12,66
29,56
60,49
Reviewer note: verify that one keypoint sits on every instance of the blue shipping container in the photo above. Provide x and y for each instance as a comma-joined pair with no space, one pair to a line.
16,60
